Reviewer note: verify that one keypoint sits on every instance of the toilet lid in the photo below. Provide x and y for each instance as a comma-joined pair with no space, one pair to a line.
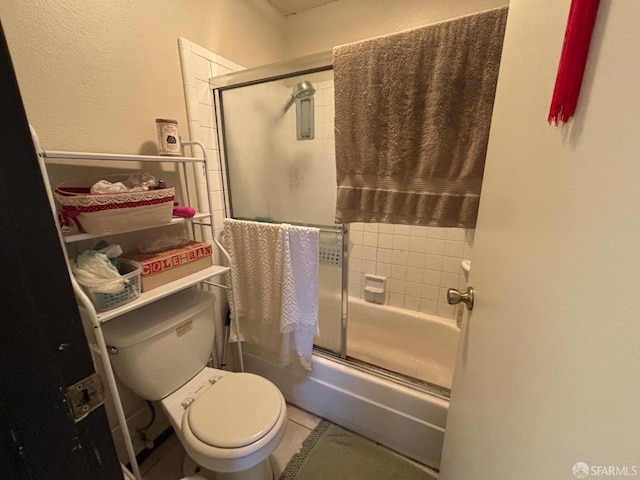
238,410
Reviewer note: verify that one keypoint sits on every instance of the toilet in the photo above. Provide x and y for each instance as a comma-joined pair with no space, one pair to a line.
228,423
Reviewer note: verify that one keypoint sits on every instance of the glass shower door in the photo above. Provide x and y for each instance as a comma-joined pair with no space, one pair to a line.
280,167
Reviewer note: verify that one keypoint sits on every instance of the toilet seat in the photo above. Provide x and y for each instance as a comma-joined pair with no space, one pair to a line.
262,441
236,411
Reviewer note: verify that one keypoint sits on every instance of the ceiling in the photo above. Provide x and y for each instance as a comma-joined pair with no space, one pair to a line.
290,7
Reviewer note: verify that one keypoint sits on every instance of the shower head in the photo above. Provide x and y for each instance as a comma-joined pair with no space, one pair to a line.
302,89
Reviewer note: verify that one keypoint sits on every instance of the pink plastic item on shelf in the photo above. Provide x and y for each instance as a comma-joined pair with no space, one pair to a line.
185,212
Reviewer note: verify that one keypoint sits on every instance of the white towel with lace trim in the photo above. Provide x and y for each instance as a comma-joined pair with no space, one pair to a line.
274,286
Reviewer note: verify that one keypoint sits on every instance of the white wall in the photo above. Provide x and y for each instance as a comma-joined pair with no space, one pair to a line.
548,368
346,21
95,75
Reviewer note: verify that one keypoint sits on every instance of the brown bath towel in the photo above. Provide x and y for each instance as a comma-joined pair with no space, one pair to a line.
413,112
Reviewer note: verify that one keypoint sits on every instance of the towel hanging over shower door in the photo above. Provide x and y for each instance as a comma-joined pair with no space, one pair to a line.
275,271
413,111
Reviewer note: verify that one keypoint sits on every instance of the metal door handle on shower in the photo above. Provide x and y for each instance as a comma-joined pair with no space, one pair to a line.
456,296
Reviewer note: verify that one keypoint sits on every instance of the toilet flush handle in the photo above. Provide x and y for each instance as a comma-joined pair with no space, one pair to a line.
456,296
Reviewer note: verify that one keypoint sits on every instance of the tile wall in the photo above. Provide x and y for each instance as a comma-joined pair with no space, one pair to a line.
198,65
419,263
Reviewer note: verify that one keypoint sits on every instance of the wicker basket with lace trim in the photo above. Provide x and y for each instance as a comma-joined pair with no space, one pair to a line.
113,212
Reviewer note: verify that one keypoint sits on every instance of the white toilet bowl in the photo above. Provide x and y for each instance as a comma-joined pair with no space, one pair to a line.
228,423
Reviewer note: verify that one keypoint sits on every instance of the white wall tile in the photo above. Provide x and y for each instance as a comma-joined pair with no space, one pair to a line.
370,239
415,274
370,253
208,137
432,277
435,246
449,280
356,236
400,242
412,303
184,43
451,265
399,257
413,289
203,52
417,244
396,300
402,230
217,69
434,232
419,231
430,292
385,228
433,262
384,255
398,271
369,267
383,269
397,286
385,240
416,260
458,234
453,248
227,63
203,93
201,68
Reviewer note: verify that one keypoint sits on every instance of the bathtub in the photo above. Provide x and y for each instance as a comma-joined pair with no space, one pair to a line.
411,343
395,414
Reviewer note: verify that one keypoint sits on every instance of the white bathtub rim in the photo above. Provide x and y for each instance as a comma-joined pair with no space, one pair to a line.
446,322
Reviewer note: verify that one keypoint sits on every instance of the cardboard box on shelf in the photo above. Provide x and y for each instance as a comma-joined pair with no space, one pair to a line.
163,267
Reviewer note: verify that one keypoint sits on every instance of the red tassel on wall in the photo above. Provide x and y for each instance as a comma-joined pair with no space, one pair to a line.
582,17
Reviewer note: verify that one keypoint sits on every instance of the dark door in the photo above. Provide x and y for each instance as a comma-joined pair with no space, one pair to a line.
43,349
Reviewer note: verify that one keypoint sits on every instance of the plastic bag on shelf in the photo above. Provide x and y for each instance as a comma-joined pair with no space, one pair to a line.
94,269
112,251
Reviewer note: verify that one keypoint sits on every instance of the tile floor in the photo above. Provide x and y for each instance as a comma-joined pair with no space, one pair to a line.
165,463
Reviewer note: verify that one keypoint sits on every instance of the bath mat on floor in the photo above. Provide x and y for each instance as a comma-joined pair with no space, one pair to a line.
331,452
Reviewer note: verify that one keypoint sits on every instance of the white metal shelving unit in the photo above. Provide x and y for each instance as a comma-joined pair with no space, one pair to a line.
99,318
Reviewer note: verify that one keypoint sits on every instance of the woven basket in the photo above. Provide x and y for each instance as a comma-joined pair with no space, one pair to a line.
130,287
113,212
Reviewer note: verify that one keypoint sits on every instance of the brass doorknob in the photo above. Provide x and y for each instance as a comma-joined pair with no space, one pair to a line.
456,296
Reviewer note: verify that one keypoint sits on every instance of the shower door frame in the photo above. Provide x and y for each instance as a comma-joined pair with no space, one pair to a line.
318,62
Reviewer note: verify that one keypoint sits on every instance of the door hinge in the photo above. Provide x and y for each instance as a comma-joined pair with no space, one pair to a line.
85,396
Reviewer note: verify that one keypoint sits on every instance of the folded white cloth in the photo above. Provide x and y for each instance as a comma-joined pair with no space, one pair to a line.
274,271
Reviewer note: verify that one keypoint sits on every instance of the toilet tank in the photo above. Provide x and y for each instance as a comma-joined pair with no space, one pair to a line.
159,347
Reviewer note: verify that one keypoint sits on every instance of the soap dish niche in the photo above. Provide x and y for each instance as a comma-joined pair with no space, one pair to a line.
375,288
